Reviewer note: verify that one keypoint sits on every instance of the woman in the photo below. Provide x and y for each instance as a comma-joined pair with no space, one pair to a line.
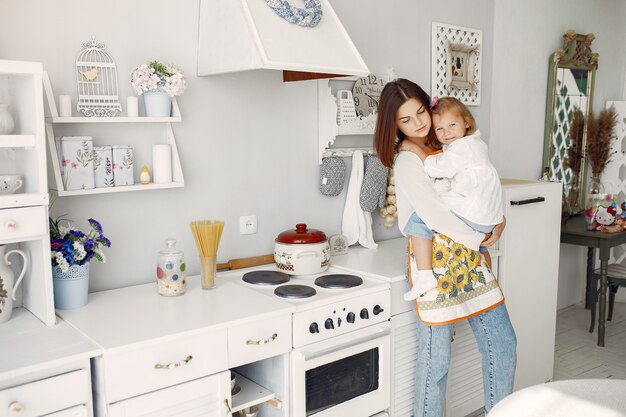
404,114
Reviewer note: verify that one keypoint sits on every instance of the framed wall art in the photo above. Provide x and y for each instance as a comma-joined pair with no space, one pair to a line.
456,62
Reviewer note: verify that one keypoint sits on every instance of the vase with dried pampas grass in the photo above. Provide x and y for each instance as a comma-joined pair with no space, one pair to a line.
573,161
599,138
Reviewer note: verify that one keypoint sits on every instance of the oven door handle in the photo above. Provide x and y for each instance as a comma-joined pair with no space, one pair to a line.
323,352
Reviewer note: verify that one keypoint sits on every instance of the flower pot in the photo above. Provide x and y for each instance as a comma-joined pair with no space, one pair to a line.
71,288
157,103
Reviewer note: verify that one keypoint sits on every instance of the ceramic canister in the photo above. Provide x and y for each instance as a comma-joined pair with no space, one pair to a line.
171,270
302,251
103,166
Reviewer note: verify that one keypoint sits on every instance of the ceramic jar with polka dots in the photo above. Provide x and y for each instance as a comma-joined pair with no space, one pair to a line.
171,270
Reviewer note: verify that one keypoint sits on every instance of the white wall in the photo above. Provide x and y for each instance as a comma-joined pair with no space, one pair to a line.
247,141
525,34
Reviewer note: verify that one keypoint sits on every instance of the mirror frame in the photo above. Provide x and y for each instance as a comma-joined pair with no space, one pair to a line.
575,54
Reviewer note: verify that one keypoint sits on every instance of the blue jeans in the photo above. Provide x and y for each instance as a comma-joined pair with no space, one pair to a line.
496,342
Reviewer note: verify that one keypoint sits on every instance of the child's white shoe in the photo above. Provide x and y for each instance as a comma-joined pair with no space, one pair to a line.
423,282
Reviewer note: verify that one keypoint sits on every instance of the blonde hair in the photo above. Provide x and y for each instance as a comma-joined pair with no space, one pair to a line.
449,104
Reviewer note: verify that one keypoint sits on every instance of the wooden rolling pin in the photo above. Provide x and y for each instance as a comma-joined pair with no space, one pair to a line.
246,262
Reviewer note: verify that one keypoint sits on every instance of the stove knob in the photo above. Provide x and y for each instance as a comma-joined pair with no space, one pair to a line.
329,324
365,314
313,328
350,317
377,310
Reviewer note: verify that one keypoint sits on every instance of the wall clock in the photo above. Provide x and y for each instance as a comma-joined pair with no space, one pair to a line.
366,94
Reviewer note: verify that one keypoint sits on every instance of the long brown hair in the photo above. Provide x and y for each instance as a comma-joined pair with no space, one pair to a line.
394,94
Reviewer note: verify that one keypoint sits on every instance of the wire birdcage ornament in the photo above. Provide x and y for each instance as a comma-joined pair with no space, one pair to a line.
96,75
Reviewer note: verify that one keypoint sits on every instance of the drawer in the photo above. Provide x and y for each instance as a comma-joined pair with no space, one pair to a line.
151,367
22,223
208,396
258,340
78,411
46,395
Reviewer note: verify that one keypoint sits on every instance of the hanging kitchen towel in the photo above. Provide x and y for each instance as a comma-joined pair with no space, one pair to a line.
356,224
332,176
374,188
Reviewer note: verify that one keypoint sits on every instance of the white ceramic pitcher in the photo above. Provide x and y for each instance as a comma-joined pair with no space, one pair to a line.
8,285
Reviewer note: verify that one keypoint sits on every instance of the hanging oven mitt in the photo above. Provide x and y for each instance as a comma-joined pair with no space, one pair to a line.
332,176
374,188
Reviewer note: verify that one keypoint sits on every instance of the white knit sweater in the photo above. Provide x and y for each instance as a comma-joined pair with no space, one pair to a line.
415,193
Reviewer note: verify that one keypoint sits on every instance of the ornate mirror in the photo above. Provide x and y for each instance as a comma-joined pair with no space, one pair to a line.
570,93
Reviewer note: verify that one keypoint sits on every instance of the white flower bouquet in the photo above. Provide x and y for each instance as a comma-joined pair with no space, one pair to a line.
155,75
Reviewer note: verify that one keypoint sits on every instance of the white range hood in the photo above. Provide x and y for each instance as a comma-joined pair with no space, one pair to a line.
243,35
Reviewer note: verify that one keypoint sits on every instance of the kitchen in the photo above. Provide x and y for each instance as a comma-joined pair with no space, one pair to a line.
248,142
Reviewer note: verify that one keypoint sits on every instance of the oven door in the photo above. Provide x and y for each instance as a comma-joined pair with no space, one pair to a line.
347,375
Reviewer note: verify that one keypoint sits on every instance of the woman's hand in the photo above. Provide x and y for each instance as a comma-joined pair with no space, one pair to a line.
492,238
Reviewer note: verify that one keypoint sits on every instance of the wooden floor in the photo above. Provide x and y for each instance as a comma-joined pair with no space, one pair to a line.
577,354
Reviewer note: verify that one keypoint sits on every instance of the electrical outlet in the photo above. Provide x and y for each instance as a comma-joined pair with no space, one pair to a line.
247,225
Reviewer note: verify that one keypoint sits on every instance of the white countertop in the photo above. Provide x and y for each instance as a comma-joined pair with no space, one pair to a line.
27,345
386,262
131,315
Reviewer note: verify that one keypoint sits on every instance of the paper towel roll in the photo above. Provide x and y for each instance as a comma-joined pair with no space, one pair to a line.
161,164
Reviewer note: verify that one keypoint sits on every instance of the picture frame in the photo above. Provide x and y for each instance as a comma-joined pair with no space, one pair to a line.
456,62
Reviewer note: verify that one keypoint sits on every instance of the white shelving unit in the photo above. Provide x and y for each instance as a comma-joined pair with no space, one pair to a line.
169,138
24,214
328,130
251,394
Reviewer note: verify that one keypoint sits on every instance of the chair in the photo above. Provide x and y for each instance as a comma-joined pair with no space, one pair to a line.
616,277
246,262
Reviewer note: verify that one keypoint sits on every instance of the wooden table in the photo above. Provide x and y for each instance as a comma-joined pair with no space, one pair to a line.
573,232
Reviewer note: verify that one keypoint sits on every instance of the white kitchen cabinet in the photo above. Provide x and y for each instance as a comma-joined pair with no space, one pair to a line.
528,274
172,355
24,214
207,397
142,152
44,369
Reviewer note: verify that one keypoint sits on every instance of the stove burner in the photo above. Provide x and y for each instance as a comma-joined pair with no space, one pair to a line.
338,281
295,291
265,277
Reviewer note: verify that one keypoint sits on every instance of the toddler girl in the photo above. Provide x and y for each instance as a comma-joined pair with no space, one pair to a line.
465,179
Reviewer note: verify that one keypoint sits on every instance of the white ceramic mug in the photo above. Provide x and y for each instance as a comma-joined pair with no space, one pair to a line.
10,183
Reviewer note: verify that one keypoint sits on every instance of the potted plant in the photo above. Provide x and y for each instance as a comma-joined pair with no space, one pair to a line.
71,251
158,83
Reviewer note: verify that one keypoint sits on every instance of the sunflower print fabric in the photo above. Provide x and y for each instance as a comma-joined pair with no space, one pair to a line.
455,267
465,284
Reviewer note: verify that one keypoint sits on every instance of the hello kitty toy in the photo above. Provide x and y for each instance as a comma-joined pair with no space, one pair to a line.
605,216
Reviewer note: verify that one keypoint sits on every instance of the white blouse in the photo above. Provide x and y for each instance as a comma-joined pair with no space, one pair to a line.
475,192
415,193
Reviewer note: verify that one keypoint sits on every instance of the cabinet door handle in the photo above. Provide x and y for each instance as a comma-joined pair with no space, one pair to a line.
15,408
174,365
262,341
10,225
529,201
